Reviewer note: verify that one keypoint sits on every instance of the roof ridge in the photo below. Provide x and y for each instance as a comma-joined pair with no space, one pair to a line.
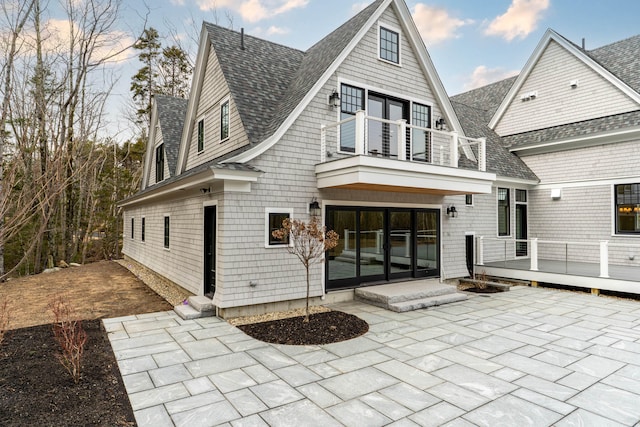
246,34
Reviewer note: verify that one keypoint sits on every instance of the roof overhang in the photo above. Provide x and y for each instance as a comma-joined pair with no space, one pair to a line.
381,174
209,179
582,141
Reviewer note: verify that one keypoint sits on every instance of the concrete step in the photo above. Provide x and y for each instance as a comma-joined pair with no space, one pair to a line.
202,303
187,312
393,293
417,304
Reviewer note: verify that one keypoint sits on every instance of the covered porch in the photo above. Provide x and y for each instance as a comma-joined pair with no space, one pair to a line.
599,265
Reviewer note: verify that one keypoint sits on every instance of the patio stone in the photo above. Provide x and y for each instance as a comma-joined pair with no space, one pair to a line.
231,380
205,416
409,396
169,358
297,375
358,361
458,396
586,419
512,411
250,421
157,396
544,401
153,417
386,406
194,402
368,380
578,381
556,358
596,366
465,359
475,381
169,375
619,405
319,395
408,374
137,364
246,402
276,393
199,385
271,357
260,374
214,365
298,414
545,387
355,412
137,382
532,366
203,349
437,415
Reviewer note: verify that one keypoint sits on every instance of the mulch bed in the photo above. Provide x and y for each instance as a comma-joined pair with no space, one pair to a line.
36,390
487,290
322,328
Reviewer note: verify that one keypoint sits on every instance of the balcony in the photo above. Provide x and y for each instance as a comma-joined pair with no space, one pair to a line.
369,153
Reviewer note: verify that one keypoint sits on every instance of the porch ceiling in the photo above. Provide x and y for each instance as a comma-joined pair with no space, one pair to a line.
383,174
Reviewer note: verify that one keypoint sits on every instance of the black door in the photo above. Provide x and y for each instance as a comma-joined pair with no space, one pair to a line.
209,251
470,254
382,137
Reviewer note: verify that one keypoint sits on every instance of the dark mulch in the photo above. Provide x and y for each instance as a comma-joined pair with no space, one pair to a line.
35,390
322,328
487,290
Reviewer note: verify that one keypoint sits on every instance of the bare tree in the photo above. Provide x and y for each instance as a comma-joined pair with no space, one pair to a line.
309,241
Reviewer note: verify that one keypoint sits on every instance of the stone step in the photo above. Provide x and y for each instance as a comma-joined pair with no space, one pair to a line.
202,303
399,292
187,312
417,304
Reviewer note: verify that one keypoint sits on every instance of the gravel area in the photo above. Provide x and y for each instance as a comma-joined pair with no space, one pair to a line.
174,295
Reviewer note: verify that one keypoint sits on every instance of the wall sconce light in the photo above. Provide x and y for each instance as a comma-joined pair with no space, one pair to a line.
334,99
451,211
314,208
440,123
205,190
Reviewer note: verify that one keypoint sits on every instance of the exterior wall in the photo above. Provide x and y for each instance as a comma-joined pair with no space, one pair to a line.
182,263
214,91
556,102
585,211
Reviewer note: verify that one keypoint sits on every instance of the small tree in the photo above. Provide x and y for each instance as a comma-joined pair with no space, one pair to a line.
309,243
70,335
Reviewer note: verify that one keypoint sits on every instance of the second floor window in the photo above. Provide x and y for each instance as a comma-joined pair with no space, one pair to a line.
389,45
160,163
200,135
224,120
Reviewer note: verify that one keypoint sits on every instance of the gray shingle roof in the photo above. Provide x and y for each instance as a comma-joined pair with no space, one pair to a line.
474,110
622,59
171,115
267,80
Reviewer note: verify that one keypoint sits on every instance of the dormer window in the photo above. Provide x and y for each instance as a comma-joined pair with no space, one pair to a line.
160,163
200,135
224,120
389,45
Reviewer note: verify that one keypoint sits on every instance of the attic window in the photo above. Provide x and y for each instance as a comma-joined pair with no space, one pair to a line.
389,45
160,163
200,135
224,120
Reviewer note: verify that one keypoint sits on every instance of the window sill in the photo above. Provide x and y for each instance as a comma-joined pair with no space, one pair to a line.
225,140
386,61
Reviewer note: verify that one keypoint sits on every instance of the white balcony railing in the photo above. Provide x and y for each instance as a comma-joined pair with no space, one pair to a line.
603,252
372,136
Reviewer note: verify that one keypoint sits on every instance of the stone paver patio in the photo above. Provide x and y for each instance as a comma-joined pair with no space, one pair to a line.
531,356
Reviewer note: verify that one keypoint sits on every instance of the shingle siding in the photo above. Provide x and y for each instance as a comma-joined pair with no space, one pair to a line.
557,103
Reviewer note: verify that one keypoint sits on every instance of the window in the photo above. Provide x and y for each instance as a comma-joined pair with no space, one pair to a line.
351,100
133,221
521,196
627,205
166,232
389,45
200,135
160,163
224,120
421,139
468,199
142,229
504,212
274,218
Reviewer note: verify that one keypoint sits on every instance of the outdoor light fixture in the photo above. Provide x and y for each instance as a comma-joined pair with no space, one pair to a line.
440,123
452,211
314,208
334,99
205,190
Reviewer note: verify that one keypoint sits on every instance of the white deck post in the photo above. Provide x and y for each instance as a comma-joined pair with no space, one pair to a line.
360,127
480,260
482,155
402,136
604,258
323,143
534,254
453,161
346,239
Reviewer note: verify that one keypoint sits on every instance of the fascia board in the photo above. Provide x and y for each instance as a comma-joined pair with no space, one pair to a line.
148,155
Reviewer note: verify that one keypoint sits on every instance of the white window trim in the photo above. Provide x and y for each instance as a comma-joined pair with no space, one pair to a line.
226,99
395,30
511,206
268,211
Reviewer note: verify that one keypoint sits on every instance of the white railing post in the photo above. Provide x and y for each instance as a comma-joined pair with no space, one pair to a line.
453,161
402,136
378,242
480,260
534,254
323,143
360,132
604,258
482,155
346,239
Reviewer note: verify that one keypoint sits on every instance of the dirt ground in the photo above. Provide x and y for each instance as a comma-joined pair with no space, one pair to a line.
98,290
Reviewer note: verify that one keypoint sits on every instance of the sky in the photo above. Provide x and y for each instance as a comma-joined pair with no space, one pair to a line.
471,42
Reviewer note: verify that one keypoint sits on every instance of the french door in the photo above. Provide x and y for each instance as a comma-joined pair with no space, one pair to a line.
209,251
381,244
382,137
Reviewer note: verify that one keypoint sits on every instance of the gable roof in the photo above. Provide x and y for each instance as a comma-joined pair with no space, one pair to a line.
474,110
271,84
588,59
622,59
171,115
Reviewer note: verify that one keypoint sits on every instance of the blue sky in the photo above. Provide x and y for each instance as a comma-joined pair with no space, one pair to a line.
471,42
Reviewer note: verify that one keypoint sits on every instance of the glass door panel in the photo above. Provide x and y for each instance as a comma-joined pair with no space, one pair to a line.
521,229
400,243
395,111
372,243
375,129
427,243
341,260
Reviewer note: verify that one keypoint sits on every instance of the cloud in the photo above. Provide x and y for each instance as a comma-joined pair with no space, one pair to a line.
435,24
482,76
277,30
253,10
177,2
519,20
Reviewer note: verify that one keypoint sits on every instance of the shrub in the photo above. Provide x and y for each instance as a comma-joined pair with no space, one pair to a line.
70,335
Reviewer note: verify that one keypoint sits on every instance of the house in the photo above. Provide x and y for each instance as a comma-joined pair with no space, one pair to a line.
573,117
359,126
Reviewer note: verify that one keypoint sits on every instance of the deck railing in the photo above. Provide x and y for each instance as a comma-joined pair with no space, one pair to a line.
603,252
376,137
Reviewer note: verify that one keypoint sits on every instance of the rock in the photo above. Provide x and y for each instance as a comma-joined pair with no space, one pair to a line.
75,264
51,270
63,264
